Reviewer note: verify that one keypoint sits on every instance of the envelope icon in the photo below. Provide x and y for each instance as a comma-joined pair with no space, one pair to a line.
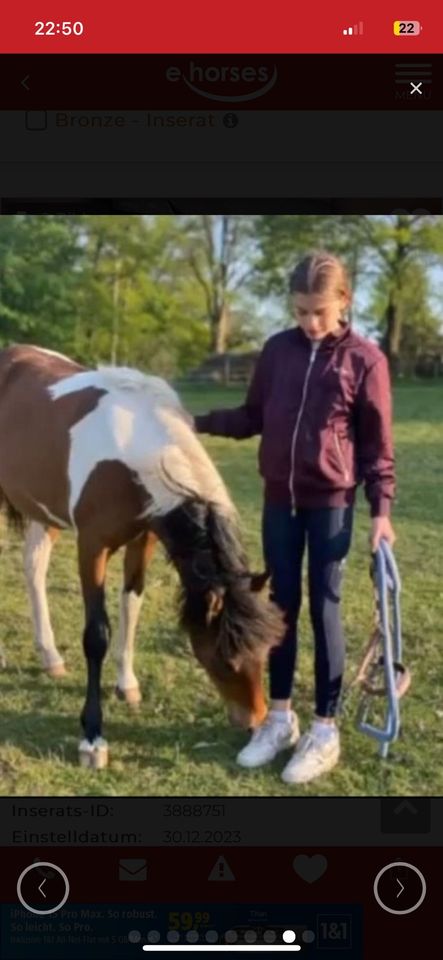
132,869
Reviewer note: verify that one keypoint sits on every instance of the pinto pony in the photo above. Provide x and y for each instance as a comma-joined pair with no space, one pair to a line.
111,454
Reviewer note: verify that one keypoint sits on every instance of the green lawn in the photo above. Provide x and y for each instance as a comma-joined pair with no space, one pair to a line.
179,743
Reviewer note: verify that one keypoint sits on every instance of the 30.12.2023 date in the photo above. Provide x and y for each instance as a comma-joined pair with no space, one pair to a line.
201,836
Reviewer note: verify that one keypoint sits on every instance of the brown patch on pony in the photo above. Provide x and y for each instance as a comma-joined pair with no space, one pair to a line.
138,555
35,453
111,501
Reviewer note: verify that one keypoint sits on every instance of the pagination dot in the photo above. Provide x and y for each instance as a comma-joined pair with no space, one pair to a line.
289,936
231,936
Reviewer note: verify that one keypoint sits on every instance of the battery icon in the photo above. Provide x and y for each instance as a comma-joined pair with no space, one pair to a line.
407,28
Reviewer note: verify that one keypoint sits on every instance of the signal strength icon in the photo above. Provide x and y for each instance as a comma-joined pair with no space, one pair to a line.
355,31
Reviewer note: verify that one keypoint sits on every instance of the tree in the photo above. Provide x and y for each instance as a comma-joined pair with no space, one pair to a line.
378,250
137,305
282,240
38,279
102,289
419,325
401,247
116,251
219,251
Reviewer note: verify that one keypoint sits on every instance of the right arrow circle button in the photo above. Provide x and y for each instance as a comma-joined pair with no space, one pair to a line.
400,888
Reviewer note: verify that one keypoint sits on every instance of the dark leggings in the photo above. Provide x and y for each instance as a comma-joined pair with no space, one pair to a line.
327,532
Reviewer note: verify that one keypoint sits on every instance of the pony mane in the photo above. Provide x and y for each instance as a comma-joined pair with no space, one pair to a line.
127,378
205,544
119,378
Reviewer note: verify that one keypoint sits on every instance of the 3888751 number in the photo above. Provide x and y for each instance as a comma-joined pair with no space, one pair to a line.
193,810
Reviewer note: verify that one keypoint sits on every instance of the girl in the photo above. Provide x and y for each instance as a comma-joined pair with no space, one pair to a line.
320,398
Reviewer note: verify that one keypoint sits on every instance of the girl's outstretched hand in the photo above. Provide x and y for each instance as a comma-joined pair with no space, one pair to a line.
381,528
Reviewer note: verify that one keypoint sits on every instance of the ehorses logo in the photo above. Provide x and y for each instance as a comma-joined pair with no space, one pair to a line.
218,82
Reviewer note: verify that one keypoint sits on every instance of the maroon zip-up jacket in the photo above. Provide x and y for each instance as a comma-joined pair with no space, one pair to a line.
324,417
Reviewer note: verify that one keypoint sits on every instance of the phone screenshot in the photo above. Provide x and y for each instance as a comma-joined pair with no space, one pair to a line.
221,448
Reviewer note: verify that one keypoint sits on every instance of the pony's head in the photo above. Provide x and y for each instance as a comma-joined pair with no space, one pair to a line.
232,626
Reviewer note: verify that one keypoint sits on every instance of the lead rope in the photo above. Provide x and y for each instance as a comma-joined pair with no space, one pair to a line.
383,654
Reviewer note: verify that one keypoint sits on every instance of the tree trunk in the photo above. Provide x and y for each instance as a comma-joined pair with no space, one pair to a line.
393,334
220,330
115,316
392,337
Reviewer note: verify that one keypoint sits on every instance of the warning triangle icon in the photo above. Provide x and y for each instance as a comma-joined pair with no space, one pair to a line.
221,870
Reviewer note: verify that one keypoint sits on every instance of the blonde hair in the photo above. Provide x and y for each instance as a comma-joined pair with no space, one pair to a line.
321,272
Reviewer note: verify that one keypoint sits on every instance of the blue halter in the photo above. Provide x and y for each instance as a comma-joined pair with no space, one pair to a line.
387,587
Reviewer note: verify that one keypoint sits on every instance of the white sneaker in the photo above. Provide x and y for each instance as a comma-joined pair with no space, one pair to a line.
313,756
268,740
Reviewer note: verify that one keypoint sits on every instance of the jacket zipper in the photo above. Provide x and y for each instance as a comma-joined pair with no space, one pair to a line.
341,457
314,351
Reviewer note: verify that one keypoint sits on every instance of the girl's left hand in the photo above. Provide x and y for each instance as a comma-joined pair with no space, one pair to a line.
381,528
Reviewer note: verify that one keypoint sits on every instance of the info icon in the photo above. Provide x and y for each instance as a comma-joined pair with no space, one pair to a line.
230,120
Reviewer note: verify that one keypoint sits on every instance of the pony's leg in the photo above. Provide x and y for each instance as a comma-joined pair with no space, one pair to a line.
93,749
137,556
39,541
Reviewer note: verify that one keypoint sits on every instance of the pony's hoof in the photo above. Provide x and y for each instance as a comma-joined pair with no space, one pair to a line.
131,696
56,671
93,755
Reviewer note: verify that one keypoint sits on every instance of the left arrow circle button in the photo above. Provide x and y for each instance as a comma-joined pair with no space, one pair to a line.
43,896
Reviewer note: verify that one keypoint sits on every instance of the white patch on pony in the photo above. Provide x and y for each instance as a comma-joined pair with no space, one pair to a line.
52,517
140,422
93,755
37,553
130,604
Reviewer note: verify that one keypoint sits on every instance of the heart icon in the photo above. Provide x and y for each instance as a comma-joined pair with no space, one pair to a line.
310,868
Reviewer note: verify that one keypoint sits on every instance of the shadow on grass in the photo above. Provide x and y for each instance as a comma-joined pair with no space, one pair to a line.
43,736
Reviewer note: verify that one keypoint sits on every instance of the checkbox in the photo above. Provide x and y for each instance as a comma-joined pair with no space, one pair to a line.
36,120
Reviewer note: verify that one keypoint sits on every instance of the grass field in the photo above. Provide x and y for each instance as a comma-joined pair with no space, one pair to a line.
179,743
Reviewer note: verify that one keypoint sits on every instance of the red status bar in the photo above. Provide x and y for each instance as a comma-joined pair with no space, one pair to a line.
230,26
